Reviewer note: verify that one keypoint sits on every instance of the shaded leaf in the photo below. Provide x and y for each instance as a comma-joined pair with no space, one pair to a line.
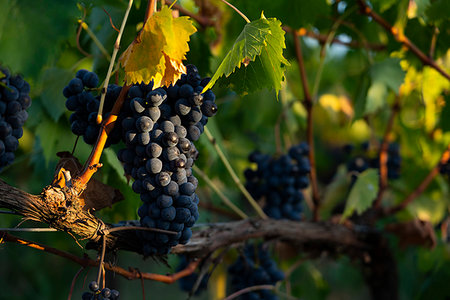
113,161
157,53
361,98
389,73
256,59
362,194
53,82
38,36
97,194
415,232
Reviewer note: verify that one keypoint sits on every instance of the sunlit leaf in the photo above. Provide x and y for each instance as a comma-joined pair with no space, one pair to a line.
256,60
363,193
157,53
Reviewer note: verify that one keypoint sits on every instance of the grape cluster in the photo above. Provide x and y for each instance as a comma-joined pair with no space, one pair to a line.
159,133
444,168
279,181
364,161
81,100
255,267
187,283
97,294
14,100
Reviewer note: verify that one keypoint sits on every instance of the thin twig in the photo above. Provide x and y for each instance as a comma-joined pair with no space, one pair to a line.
422,186
433,42
383,158
111,63
85,262
322,38
224,198
29,229
94,38
308,103
237,10
78,41
74,280
119,228
102,258
400,37
236,179
250,289
202,20
7,212
111,21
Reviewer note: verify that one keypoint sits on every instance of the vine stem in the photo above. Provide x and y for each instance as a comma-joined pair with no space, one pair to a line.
401,38
151,7
94,38
422,186
29,229
224,198
72,285
308,103
237,10
111,63
93,163
236,179
250,289
86,262
383,183
102,258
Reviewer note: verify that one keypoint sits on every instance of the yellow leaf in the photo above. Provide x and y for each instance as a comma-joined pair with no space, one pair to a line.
158,51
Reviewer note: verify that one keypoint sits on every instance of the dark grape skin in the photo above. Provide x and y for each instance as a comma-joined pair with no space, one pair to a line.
160,186
280,181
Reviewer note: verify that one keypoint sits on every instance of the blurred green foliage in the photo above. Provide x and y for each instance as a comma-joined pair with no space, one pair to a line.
354,96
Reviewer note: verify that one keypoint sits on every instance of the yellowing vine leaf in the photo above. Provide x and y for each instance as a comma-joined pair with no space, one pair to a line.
157,52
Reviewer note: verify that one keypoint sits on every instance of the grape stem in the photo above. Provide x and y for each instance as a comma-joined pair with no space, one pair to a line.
401,38
236,179
237,10
224,198
111,63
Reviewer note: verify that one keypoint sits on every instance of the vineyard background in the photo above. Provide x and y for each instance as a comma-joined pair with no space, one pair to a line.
356,71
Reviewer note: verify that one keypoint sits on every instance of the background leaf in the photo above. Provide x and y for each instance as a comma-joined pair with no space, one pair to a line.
362,194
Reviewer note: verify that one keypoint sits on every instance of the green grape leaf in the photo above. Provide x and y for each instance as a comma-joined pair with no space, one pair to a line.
389,73
437,12
362,194
27,46
256,59
53,81
113,161
361,98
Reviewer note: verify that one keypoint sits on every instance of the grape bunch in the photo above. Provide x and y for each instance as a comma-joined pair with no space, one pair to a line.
255,267
81,100
444,168
187,283
279,181
159,133
365,160
14,100
97,294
